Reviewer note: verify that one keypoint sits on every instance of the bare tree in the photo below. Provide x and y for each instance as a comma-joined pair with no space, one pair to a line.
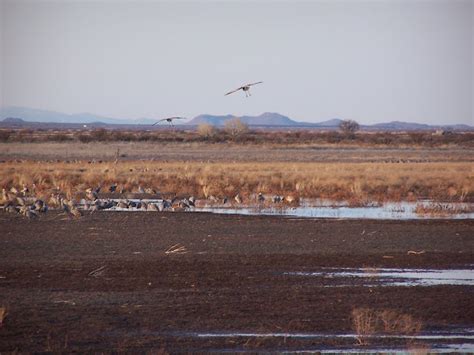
206,130
235,127
349,127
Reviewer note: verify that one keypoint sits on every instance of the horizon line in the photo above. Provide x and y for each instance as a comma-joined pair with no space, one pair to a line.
219,115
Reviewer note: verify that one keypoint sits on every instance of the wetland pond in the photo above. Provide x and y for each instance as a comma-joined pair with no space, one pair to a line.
455,340
331,209
315,208
342,277
448,340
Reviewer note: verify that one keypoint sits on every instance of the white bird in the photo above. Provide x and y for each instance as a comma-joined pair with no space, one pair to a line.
238,198
245,88
169,120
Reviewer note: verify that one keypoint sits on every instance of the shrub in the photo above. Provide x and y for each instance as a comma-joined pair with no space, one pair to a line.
4,135
349,127
60,137
367,322
99,134
84,138
235,127
206,130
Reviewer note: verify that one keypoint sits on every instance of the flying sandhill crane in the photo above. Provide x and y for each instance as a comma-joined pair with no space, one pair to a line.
169,120
244,88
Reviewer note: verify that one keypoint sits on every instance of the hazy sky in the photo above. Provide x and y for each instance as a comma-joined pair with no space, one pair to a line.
371,61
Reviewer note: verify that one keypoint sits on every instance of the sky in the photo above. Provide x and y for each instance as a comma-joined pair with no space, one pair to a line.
371,61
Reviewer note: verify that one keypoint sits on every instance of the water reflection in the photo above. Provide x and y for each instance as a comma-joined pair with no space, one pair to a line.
392,277
456,340
314,208
394,211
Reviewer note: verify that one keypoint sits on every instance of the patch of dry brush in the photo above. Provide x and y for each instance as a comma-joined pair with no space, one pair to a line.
368,322
211,134
440,209
357,183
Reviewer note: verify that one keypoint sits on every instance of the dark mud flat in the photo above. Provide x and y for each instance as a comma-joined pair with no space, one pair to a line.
105,282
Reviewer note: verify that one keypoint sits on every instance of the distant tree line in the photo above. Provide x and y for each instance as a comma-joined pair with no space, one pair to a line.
235,131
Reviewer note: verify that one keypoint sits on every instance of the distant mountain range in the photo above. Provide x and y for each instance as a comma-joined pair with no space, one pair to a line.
265,119
22,116
275,119
37,115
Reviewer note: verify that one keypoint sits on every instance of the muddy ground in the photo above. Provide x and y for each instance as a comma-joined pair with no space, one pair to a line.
105,282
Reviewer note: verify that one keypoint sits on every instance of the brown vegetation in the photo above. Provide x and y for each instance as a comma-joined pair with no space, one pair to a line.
229,152
233,160
206,131
367,322
235,128
349,127
439,209
239,133
355,182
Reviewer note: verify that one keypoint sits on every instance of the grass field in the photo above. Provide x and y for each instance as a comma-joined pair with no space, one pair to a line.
229,152
367,167
356,182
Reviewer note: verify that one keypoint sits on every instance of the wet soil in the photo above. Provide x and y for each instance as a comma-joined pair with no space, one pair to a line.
105,282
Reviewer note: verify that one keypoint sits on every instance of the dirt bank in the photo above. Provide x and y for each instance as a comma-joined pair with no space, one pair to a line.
105,281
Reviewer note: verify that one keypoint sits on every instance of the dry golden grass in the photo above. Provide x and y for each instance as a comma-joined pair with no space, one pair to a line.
356,182
438,209
367,322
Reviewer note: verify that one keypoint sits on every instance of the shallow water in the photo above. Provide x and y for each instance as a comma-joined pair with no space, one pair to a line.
461,348
392,277
433,336
395,211
313,208
456,340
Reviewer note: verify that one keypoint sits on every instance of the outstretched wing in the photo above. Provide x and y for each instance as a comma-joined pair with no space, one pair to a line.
231,92
258,82
163,119
169,118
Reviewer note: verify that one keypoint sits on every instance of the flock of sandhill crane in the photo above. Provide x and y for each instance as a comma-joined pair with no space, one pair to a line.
19,201
245,88
26,203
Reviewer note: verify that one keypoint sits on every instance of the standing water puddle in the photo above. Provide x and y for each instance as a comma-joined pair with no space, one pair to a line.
396,211
329,209
455,340
337,277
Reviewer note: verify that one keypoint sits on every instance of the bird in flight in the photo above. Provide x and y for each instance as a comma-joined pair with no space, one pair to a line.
169,120
245,88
